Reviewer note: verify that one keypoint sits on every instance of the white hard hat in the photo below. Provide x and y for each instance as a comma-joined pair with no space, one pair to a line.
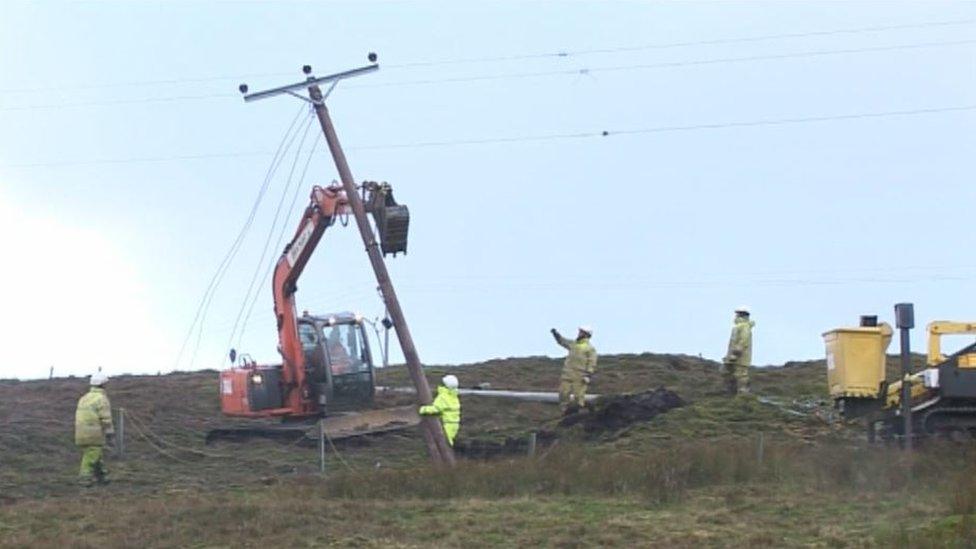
586,328
450,381
98,379
742,309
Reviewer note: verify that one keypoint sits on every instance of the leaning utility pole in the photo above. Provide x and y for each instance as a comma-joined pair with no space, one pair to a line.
440,450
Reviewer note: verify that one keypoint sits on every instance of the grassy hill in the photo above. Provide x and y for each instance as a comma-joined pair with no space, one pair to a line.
778,470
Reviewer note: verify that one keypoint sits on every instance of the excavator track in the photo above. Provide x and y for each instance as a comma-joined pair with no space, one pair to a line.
957,418
947,420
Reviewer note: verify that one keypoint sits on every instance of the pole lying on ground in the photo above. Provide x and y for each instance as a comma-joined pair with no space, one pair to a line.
905,321
529,396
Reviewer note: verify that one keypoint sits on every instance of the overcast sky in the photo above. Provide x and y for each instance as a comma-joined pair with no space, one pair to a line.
812,160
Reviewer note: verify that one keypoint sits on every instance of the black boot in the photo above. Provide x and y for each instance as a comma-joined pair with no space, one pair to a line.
101,475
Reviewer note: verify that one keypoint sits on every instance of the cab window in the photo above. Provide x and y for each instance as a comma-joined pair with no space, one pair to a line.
344,345
308,337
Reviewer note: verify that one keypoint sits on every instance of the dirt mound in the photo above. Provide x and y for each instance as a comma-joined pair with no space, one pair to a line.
615,412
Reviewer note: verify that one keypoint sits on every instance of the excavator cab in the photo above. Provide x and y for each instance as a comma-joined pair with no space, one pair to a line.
338,371
338,361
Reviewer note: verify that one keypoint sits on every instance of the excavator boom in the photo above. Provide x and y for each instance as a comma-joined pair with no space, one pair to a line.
316,368
939,328
324,205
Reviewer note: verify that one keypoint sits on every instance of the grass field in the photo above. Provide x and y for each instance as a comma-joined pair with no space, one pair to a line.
775,471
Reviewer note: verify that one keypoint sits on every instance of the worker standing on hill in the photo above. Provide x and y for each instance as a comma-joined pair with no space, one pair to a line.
447,405
579,366
93,429
739,356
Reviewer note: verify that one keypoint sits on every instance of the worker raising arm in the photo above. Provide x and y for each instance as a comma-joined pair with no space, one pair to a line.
579,366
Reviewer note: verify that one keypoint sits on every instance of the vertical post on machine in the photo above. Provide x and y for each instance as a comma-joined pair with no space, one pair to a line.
440,450
905,321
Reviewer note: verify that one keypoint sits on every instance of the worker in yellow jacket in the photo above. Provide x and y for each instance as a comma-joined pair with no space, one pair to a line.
579,366
447,406
93,430
738,359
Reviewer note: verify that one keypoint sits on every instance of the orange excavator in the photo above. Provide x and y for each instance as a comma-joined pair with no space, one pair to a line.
326,359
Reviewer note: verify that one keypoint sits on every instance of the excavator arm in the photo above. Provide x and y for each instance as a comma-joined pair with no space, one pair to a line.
939,328
324,206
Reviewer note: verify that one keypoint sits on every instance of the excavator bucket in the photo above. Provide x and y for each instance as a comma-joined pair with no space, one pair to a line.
392,219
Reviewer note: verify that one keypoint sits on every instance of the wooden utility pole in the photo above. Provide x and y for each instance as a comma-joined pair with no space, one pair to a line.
437,445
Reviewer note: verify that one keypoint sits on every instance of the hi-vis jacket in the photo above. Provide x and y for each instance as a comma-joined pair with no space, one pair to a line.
740,343
581,360
447,405
93,418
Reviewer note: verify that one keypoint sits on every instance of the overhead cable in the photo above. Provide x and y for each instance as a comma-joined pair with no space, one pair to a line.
521,57
526,74
281,236
240,238
274,224
663,129
667,45
554,136
228,257
662,65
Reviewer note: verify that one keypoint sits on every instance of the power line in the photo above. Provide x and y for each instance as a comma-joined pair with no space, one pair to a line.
160,82
281,235
712,42
527,56
799,278
276,163
533,138
267,242
662,129
529,74
721,41
664,65
114,102
137,160
786,121
201,312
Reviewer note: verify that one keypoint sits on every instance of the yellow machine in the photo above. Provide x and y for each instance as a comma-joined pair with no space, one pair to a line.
856,360
943,393
940,328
